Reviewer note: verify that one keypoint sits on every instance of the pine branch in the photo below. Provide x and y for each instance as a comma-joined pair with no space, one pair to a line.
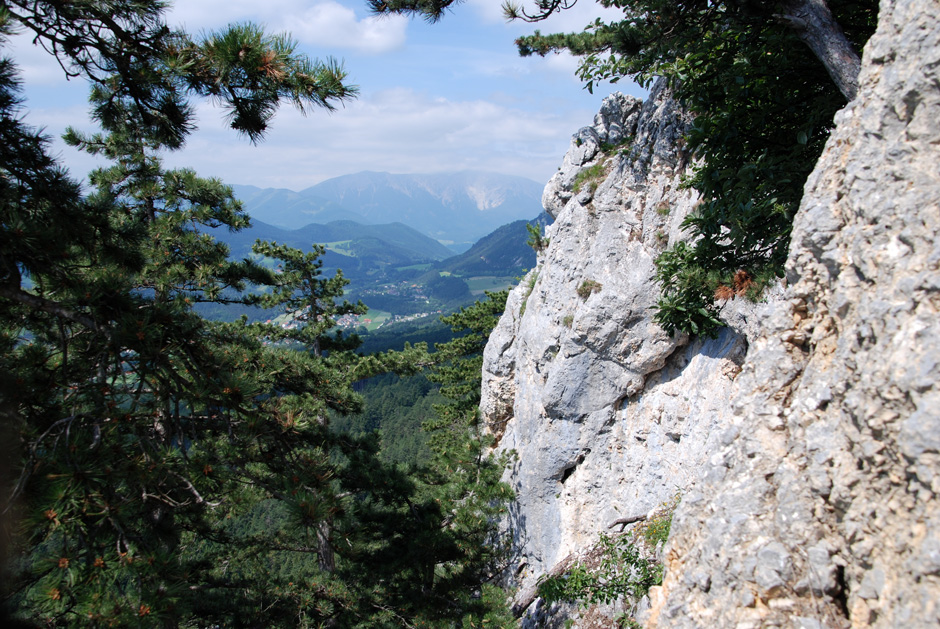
45,305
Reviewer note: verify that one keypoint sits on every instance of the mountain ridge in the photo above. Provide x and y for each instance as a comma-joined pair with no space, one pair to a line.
458,207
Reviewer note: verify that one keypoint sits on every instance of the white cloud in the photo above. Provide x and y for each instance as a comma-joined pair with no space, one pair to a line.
324,23
333,25
396,130
564,63
197,15
521,125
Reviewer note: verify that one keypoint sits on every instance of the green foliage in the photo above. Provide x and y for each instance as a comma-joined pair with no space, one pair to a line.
428,557
448,288
141,426
655,531
622,569
536,240
590,176
395,408
567,320
687,304
174,471
608,147
621,566
587,287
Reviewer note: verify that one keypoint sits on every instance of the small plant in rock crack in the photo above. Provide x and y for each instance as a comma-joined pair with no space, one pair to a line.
536,240
530,286
623,569
619,567
590,176
587,287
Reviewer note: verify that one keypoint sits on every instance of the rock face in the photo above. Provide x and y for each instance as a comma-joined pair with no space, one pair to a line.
824,507
809,480
608,415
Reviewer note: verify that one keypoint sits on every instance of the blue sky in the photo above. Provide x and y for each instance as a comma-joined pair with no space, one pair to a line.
433,97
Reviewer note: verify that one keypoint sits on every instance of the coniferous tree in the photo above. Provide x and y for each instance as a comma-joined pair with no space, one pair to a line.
173,471
428,551
142,427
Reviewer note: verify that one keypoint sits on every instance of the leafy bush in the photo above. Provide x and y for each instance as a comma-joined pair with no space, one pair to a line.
619,566
624,569
686,304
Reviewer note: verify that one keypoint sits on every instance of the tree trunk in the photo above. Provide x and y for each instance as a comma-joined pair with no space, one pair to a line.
327,560
814,25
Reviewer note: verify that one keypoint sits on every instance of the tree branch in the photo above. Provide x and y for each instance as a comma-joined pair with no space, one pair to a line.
46,305
623,522
813,23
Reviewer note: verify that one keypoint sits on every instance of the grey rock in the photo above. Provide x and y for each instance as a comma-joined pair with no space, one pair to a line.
609,415
837,403
804,440
773,568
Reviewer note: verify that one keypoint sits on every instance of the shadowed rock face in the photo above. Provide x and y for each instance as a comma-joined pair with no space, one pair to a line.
809,479
825,506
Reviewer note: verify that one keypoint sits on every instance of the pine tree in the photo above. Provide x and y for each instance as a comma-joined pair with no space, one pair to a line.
143,428
447,553
420,542
174,471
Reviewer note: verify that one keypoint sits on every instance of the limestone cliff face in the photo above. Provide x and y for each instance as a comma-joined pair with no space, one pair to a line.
809,480
609,416
824,504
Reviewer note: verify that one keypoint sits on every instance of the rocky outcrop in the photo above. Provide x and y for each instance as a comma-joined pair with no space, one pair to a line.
806,439
608,415
822,510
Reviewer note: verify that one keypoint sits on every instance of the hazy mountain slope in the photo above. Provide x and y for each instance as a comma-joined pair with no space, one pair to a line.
290,210
502,252
459,207
359,250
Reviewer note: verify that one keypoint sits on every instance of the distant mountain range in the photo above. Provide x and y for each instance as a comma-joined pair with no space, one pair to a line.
359,250
394,269
455,208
